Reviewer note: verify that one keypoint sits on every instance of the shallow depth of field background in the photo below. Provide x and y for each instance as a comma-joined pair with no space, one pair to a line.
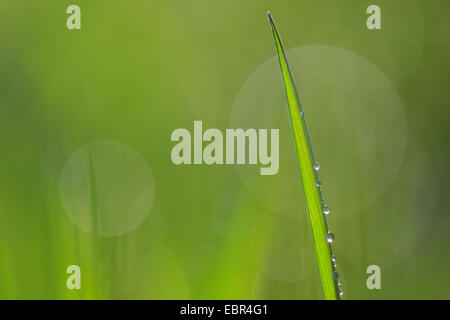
103,101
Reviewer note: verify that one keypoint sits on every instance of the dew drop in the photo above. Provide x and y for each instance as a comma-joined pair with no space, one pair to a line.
341,293
330,237
316,166
335,275
318,184
326,209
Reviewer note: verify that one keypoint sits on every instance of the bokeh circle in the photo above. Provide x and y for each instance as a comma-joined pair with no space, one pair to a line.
356,122
107,188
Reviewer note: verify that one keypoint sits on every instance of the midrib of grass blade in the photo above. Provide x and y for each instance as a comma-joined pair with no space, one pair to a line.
313,194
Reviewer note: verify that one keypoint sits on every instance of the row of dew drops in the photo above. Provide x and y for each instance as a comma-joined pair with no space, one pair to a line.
330,235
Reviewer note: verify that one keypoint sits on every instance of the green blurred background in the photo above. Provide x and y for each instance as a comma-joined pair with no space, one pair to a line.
80,103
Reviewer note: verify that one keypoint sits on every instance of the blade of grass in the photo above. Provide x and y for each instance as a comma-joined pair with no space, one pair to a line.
311,185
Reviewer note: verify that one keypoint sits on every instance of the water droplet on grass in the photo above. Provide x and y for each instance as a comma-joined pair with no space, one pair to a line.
316,166
330,237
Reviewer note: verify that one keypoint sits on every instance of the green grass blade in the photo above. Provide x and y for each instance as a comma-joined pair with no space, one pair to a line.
311,186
